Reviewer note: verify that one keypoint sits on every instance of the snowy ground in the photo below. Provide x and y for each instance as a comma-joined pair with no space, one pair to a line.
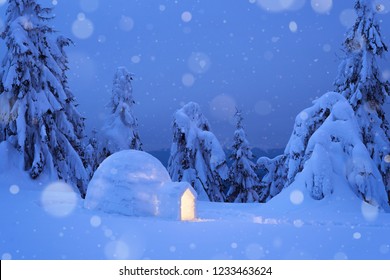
289,227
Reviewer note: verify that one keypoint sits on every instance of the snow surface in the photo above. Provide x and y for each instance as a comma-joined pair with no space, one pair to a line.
48,221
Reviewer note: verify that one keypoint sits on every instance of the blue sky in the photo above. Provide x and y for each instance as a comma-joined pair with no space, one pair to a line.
269,58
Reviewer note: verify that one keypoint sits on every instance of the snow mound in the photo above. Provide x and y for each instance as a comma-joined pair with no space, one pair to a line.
134,183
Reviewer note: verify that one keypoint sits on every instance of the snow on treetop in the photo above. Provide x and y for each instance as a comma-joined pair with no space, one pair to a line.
191,114
122,88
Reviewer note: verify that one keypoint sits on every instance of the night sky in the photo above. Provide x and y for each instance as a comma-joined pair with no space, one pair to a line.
269,58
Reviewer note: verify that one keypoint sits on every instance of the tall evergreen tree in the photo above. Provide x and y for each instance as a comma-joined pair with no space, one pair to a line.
281,170
359,81
196,155
326,155
38,111
244,182
120,131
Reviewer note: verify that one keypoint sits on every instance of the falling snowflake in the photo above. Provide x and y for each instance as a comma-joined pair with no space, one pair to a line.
89,5
293,26
298,223
117,250
199,62
340,256
14,189
186,16
95,221
348,17
136,59
82,27
188,80
379,7
357,235
59,199
296,197
126,23
321,6
172,249
369,212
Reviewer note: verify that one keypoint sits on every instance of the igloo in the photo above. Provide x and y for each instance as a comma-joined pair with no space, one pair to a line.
134,183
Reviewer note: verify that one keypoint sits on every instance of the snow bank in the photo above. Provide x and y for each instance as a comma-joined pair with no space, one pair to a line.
135,183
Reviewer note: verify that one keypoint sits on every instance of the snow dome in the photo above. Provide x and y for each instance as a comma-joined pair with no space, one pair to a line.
135,183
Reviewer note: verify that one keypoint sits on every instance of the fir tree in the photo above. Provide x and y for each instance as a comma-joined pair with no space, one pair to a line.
38,111
242,175
325,154
281,170
359,80
91,153
121,129
196,155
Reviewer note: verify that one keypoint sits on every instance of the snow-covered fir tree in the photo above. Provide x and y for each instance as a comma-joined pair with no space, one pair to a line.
38,111
325,152
281,170
243,180
120,131
362,153
360,81
91,153
196,155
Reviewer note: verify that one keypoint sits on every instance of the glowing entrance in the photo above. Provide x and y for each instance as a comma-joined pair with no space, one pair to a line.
187,207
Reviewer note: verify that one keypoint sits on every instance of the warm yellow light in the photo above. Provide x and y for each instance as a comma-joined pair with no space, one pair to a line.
187,206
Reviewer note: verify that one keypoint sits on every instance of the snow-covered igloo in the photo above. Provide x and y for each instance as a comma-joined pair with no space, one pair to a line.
135,183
